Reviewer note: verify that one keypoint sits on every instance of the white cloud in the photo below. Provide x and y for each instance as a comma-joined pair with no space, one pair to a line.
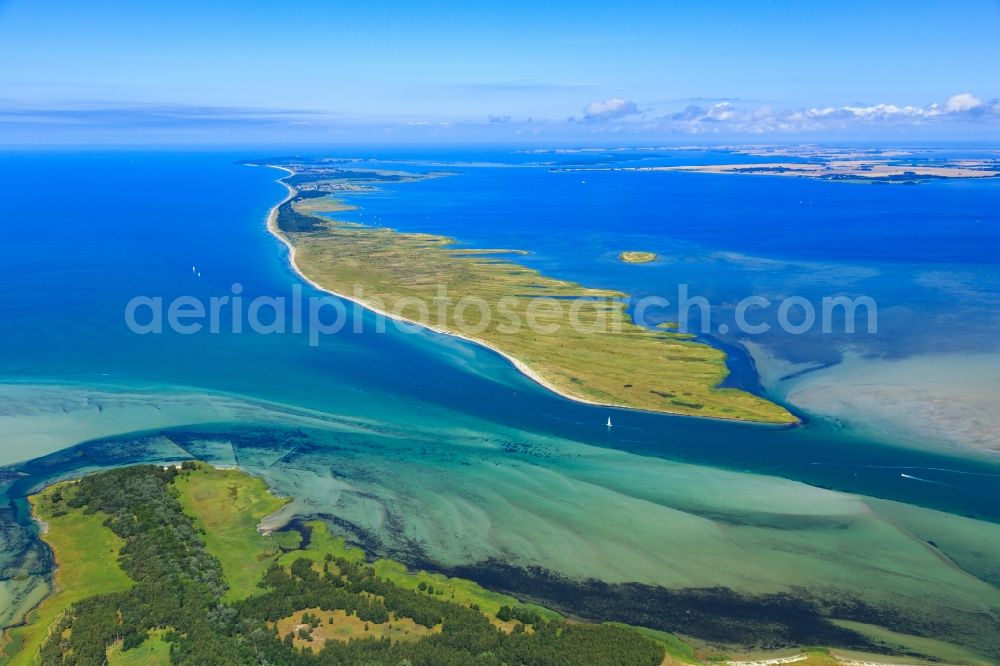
725,116
963,102
610,109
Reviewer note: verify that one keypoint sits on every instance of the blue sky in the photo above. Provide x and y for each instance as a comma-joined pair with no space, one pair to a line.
284,72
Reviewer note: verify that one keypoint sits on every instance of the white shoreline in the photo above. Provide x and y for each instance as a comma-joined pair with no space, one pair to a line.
272,226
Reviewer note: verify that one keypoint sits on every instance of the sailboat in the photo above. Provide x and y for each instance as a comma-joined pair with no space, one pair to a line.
609,421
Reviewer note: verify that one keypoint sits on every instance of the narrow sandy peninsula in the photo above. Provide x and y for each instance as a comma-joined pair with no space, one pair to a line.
582,343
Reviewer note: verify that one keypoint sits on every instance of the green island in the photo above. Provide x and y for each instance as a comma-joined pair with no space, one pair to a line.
167,565
635,257
142,580
581,343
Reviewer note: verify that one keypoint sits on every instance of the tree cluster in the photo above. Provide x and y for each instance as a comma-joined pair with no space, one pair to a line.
179,587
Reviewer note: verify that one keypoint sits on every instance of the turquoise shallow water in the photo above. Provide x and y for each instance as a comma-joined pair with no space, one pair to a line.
438,452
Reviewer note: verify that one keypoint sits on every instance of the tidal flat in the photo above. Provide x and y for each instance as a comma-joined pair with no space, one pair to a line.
729,557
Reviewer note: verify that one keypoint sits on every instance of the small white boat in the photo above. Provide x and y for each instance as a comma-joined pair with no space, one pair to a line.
609,421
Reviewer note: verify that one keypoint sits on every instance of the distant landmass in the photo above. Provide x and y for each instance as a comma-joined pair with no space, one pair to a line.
851,164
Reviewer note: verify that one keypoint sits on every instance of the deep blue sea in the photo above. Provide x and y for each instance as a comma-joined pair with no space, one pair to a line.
85,232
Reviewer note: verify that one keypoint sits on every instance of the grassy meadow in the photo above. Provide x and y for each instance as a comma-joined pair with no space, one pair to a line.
86,554
578,340
154,651
227,505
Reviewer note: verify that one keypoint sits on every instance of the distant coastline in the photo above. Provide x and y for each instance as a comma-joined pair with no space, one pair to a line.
885,167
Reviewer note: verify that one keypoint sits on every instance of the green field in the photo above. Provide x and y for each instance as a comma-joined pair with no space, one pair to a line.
227,505
154,651
578,340
86,553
